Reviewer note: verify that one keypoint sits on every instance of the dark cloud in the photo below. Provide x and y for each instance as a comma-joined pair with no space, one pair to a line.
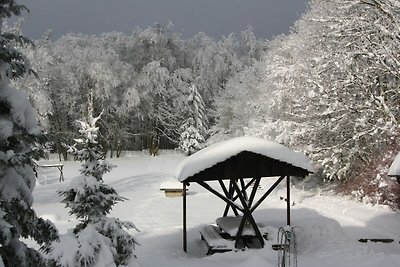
214,17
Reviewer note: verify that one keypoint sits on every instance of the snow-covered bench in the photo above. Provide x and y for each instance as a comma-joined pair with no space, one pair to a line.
59,166
215,243
172,189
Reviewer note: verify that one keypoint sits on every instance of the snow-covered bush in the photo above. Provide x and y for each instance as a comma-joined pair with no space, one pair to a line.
97,240
372,185
20,143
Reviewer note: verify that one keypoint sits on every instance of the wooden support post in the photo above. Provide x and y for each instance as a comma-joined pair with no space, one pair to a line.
288,199
229,195
218,194
267,193
254,191
243,188
247,216
184,219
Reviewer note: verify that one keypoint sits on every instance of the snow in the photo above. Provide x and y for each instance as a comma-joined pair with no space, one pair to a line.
230,224
221,151
21,109
327,226
170,185
394,169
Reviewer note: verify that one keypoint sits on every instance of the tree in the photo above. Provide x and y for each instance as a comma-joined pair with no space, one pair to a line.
161,92
331,89
97,239
353,81
194,129
20,143
71,68
136,80
238,105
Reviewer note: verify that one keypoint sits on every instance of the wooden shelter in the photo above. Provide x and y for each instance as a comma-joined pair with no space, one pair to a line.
238,165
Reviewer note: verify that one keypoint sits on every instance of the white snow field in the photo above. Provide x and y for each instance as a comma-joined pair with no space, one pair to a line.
327,227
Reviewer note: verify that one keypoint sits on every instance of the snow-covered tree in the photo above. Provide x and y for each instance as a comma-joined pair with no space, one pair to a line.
331,88
161,92
194,129
136,79
98,240
20,143
71,68
351,75
239,104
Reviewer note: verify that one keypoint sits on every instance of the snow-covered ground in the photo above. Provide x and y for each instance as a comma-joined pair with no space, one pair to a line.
327,227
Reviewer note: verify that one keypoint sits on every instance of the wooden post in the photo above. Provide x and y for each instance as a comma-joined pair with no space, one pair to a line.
184,218
247,216
267,193
288,199
229,195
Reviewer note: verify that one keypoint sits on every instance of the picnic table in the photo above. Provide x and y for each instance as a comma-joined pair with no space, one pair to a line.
230,225
213,237
222,236
59,166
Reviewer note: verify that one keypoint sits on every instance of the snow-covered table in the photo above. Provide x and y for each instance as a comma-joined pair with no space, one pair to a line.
230,225
59,166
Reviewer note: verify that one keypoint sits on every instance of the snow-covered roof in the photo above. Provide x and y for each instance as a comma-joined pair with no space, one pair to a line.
394,169
221,151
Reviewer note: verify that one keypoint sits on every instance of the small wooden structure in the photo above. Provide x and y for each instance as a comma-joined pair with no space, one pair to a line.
59,166
394,170
242,162
172,189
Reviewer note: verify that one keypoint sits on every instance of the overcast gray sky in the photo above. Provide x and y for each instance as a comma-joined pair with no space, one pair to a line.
214,17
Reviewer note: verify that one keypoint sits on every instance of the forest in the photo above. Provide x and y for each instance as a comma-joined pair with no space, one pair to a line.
330,88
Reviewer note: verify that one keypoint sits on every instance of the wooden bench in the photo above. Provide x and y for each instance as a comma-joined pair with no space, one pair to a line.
172,189
59,166
382,240
211,235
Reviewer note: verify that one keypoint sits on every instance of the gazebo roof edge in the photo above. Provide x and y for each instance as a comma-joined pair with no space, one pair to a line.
222,151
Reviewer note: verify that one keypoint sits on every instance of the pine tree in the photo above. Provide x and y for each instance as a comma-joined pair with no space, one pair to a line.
97,238
20,143
194,129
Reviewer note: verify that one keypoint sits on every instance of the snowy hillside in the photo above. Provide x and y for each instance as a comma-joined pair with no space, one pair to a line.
327,227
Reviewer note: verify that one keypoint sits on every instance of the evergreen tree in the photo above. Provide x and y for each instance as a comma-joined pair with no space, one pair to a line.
98,240
194,129
20,143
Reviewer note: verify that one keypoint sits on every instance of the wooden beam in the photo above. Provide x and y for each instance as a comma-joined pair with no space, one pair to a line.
218,194
267,193
243,188
229,196
246,186
247,215
254,191
288,199
184,219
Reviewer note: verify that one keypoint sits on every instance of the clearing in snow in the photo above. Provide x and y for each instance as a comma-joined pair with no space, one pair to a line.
327,226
